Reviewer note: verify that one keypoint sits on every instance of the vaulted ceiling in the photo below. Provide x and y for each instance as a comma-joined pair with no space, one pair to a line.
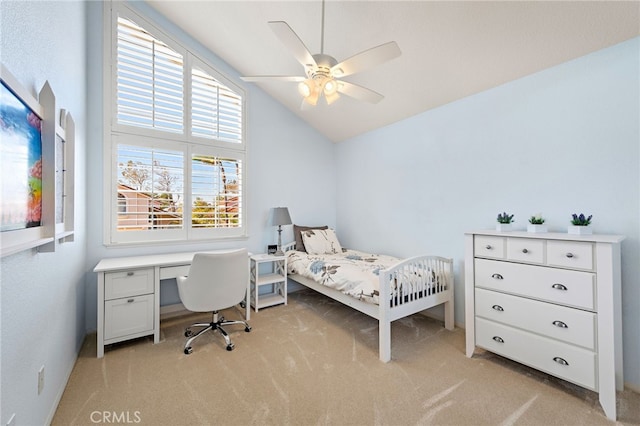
450,49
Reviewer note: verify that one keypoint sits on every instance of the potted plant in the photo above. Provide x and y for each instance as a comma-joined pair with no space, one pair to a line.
504,221
580,224
536,224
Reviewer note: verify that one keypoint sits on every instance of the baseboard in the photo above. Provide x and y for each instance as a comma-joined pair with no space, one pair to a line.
170,311
437,317
631,387
58,397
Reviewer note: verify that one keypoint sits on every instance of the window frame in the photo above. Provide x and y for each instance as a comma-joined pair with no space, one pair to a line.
116,133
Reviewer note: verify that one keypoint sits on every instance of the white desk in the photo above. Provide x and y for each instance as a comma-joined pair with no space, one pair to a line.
129,294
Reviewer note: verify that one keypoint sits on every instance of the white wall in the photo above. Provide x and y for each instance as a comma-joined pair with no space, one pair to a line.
285,158
42,294
561,141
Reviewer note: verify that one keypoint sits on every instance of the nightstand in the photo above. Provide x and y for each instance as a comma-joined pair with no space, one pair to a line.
268,270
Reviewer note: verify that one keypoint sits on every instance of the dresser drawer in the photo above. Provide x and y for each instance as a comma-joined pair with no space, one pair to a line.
569,325
127,316
526,250
128,283
570,254
561,286
489,246
566,361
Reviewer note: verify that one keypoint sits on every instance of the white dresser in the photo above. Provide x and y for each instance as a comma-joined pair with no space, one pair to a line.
551,301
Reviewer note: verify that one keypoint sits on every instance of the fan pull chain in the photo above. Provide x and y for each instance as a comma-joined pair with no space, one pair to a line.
322,31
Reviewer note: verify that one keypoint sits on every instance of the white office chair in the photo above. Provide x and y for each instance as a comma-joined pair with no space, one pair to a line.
215,281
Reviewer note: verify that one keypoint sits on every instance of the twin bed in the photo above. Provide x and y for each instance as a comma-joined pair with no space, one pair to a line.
380,286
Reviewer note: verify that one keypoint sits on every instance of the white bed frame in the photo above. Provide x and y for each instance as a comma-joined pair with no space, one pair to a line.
390,309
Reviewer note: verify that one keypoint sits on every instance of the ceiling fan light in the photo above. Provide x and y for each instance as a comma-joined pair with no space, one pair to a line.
306,88
331,98
312,99
330,87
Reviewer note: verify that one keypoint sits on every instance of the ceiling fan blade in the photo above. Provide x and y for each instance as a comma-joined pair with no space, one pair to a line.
260,78
358,92
366,59
292,42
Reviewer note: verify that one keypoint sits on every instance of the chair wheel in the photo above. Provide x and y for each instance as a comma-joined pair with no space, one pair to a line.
230,347
188,350
188,333
247,329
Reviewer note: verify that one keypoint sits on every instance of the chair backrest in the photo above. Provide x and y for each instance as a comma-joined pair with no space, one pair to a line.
215,281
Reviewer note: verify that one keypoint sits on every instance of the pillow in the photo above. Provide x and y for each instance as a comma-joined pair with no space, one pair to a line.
321,241
297,232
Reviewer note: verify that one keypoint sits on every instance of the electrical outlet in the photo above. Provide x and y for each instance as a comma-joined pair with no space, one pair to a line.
12,420
40,380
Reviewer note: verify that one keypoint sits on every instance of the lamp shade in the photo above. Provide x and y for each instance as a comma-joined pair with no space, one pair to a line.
280,216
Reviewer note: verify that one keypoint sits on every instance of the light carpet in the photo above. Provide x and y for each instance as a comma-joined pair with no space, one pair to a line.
315,362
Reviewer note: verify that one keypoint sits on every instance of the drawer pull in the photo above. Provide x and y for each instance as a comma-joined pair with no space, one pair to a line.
498,308
488,247
497,276
498,339
560,361
130,300
525,251
559,287
560,324
130,273
569,255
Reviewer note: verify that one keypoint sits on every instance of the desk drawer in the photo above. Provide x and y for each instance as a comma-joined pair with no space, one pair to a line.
127,316
566,361
174,271
562,323
128,283
561,286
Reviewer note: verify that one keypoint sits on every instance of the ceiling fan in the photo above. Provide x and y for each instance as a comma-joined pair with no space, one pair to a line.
323,72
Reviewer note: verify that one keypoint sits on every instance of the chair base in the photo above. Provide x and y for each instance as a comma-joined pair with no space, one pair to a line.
215,324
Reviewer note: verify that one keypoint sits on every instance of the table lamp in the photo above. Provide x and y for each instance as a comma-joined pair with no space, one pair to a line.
280,216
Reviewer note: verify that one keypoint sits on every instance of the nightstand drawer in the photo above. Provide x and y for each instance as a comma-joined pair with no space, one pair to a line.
128,283
131,315
488,246
525,250
561,286
566,361
570,254
569,325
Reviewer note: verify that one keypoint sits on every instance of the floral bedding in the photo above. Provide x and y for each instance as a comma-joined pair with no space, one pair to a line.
352,272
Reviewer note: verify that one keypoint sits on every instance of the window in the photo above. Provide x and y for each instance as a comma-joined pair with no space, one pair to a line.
216,185
175,148
150,180
216,110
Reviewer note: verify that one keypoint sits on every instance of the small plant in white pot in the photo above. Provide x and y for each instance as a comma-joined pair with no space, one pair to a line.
536,224
504,222
580,224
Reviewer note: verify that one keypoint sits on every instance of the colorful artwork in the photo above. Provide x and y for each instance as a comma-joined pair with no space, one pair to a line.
21,160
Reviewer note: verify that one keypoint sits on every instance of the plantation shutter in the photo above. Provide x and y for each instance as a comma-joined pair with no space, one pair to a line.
149,80
150,188
216,110
216,192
